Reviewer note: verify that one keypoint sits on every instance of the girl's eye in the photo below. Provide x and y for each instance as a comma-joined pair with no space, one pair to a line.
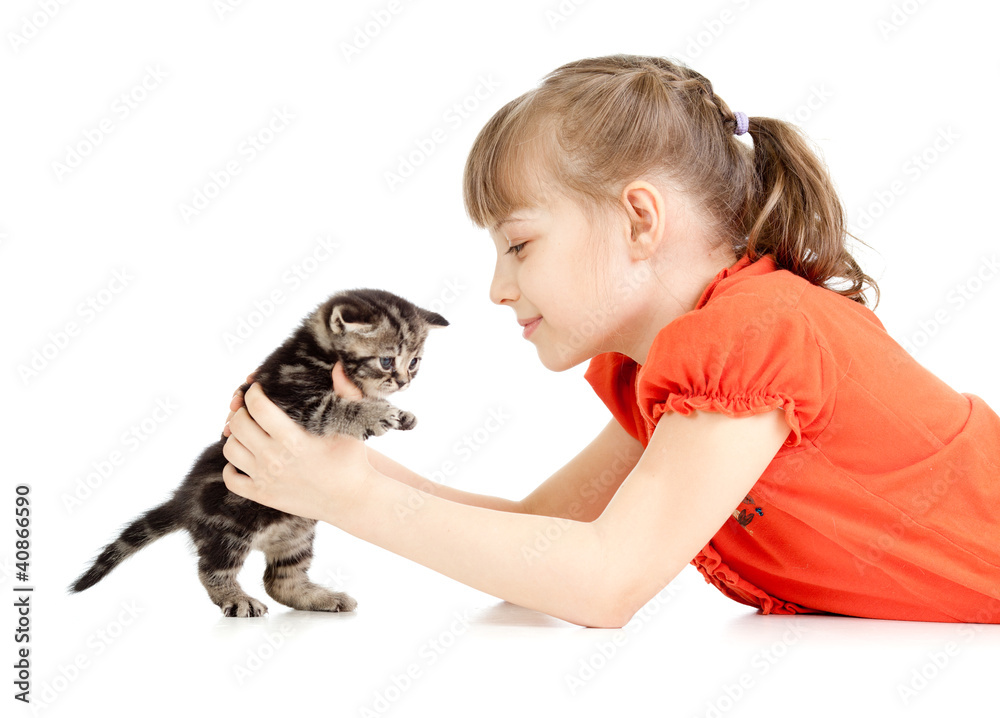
386,363
414,362
516,248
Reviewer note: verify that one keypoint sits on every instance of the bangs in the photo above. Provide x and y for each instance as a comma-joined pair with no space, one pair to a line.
510,162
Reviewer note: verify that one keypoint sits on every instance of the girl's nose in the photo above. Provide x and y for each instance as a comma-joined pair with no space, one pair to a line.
503,286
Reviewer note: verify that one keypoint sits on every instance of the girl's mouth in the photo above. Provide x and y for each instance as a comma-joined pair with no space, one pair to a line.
530,327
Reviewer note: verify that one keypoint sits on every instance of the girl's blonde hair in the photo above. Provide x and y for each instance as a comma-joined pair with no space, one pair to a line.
596,124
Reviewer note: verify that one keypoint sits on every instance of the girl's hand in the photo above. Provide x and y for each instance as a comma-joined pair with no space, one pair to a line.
342,386
288,468
236,403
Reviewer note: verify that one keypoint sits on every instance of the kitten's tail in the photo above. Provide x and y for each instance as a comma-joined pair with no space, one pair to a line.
153,524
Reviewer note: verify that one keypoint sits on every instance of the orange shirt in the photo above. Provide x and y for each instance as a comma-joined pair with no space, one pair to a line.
884,500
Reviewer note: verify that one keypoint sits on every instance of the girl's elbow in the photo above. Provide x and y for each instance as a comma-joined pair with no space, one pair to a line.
610,619
618,605
614,611
621,610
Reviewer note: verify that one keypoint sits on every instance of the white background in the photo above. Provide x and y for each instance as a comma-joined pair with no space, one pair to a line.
874,84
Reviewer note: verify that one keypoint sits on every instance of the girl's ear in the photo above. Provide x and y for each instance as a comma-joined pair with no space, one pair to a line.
646,210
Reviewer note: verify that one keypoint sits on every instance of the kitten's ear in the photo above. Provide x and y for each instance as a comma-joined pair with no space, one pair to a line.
346,318
433,319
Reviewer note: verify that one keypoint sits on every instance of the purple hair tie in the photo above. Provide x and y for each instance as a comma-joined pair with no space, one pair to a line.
742,122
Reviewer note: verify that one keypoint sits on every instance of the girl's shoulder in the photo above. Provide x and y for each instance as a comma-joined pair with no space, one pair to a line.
755,317
759,338
759,288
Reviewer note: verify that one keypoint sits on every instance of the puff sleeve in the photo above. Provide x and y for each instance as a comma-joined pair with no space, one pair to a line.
740,354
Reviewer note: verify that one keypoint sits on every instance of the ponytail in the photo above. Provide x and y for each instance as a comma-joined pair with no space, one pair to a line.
795,213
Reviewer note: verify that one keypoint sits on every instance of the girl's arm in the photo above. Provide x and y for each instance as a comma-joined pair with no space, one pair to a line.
694,471
394,470
386,465
580,490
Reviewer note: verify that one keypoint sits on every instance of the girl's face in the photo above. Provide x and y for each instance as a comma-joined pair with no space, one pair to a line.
561,273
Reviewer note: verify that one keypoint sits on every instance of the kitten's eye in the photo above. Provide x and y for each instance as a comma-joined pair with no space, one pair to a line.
413,363
386,363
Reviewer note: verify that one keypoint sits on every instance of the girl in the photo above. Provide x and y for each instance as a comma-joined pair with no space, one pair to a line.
765,427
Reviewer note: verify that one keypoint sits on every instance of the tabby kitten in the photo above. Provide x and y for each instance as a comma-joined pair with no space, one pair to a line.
379,337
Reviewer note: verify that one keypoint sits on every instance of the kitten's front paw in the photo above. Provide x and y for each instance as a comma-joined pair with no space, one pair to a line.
406,420
245,607
399,419
374,417
335,602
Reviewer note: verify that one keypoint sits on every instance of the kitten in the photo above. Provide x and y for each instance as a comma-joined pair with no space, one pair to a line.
379,337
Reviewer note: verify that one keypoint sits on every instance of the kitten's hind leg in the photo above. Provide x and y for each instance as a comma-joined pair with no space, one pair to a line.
286,581
221,556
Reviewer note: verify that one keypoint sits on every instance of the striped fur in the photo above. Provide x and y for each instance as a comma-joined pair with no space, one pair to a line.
358,327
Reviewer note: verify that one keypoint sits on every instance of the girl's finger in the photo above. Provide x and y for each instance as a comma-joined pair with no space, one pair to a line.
269,418
234,406
238,483
238,455
342,386
247,431
236,402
